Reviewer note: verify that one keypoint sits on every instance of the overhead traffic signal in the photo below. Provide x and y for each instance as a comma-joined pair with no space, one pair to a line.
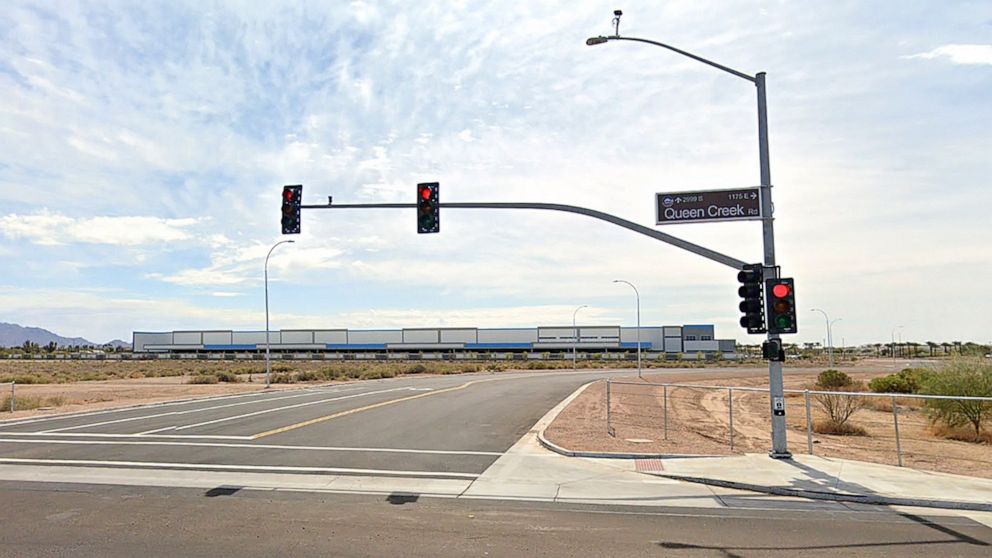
291,196
752,300
428,208
781,294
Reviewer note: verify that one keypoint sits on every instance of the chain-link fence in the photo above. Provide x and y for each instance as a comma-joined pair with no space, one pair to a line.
939,433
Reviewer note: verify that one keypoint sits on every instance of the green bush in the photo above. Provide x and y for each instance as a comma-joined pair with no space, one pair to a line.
832,379
908,380
964,377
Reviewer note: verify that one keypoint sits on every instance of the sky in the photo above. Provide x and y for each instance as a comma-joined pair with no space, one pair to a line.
144,146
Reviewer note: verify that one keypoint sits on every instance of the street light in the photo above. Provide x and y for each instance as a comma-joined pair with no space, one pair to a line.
780,447
575,334
638,297
268,368
830,339
832,322
892,343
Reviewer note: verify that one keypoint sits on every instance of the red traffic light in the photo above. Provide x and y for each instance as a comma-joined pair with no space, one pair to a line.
425,192
781,290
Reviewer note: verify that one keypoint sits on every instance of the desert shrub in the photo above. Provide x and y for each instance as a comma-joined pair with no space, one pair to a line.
28,402
283,378
282,368
228,377
537,365
415,369
202,379
833,380
908,380
830,426
309,376
24,379
965,377
839,408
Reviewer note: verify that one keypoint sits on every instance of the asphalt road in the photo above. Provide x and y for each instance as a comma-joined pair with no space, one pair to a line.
47,519
431,426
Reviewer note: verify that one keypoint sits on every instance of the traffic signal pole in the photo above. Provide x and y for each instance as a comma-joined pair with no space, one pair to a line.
776,392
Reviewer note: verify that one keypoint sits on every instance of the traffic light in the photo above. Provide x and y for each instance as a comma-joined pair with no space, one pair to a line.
291,196
428,208
752,300
781,305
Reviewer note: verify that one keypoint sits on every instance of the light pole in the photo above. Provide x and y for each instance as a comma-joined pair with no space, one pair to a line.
830,339
780,447
575,334
637,295
268,368
832,322
892,343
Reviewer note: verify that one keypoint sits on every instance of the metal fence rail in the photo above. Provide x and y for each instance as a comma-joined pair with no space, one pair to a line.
698,418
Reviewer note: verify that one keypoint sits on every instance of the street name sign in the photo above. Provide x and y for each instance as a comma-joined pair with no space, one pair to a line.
708,206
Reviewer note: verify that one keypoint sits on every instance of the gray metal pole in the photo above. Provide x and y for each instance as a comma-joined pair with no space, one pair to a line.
830,342
609,426
895,418
780,447
665,419
730,404
809,424
637,297
575,334
268,368
13,397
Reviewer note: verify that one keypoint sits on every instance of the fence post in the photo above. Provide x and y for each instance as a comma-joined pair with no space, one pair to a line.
809,424
665,391
895,419
609,426
730,401
13,398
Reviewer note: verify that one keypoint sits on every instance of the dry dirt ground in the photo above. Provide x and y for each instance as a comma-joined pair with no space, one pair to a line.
699,423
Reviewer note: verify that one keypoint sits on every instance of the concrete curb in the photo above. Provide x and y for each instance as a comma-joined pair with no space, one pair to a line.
834,496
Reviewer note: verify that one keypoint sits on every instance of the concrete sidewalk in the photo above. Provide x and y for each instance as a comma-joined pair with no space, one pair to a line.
826,478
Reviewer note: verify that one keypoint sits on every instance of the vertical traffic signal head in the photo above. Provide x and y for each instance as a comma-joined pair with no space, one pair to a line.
752,304
428,208
781,305
291,198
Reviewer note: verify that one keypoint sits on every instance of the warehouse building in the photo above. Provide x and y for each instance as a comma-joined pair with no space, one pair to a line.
555,339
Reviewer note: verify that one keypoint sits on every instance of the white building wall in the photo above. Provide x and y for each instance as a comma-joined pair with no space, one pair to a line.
460,335
330,336
252,337
379,336
421,336
216,337
297,336
187,338
507,336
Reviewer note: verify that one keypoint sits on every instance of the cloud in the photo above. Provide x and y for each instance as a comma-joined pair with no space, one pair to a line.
48,228
959,54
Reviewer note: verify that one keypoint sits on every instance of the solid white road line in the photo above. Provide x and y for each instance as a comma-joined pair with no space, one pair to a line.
177,413
102,435
277,409
216,467
251,446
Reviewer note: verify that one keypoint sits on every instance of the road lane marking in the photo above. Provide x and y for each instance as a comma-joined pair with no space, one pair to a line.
277,409
103,435
365,408
216,467
177,413
253,446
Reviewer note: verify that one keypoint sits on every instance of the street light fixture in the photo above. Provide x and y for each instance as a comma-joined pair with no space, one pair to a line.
780,447
638,297
575,334
268,368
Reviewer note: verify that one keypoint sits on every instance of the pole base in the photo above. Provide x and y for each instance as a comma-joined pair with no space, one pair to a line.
780,455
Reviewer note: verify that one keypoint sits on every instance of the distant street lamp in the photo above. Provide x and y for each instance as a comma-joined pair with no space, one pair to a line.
268,368
830,341
575,334
638,297
893,340
832,322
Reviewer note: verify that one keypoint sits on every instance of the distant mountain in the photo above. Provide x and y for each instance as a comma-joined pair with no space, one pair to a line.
119,343
13,335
